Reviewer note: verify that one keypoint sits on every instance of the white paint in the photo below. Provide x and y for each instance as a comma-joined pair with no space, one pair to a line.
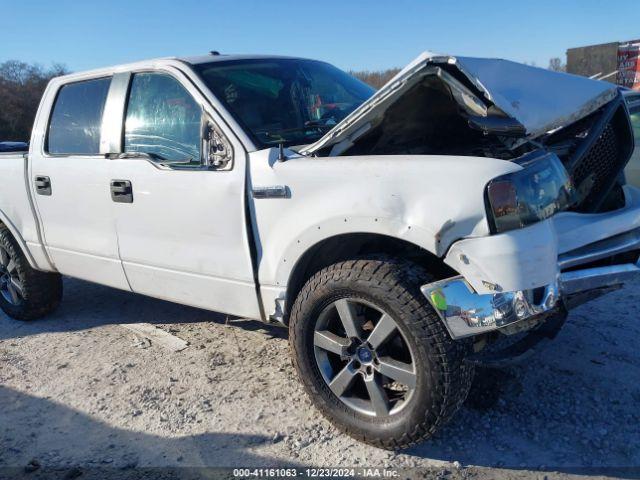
78,219
184,237
16,212
407,197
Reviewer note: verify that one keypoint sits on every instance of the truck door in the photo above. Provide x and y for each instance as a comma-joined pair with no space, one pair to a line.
69,182
181,224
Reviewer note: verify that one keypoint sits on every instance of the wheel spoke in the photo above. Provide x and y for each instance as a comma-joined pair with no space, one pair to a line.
331,342
398,371
13,293
343,380
348,318
382,331
17,285
4,257
368,349
11,265
378,397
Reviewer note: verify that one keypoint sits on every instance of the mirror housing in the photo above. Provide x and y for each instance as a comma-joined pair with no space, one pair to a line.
217,151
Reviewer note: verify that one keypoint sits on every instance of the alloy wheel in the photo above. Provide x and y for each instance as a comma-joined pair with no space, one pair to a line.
10,283
364,358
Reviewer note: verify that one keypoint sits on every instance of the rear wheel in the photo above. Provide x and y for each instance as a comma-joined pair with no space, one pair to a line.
25,293
373,355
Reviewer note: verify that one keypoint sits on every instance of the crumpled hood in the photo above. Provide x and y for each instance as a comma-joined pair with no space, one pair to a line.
539,100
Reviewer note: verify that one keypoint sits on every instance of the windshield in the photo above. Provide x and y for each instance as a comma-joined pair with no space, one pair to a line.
287,101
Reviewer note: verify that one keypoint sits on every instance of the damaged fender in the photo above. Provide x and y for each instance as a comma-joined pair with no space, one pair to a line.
405,196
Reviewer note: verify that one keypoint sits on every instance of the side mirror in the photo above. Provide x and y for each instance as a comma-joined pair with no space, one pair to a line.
216,149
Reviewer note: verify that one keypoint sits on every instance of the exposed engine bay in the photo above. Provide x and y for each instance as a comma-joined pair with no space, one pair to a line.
444,128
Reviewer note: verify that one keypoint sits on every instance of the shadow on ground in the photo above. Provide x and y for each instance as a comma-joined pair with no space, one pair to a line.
86,305
49,429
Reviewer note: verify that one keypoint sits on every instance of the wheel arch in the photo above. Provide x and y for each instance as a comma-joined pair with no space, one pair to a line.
5,222
347,246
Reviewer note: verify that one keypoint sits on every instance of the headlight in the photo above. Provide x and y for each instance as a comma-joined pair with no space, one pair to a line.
536,192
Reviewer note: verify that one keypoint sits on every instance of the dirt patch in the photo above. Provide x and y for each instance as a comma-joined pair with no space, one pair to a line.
79,391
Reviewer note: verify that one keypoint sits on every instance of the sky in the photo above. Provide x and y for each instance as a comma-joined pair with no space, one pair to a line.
351,34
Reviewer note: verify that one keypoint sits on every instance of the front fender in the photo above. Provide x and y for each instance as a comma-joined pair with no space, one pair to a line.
332,227
429,201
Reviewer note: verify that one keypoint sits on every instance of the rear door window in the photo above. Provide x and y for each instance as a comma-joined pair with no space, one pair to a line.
74,128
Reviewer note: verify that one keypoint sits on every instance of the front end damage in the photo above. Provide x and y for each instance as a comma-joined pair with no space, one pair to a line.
549,253
527,278
444,105
467,313
520,284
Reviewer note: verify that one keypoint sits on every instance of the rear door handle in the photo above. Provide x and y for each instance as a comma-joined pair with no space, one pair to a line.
121,191
43,185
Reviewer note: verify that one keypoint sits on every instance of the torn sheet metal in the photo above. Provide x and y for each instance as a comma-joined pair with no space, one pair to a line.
538,99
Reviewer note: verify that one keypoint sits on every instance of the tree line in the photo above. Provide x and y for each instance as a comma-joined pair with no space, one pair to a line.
373,78
21,86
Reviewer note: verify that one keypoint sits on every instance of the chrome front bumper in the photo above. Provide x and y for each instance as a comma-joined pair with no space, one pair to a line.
466,313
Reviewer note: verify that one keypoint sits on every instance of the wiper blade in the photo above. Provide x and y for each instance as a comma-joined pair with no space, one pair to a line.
313,126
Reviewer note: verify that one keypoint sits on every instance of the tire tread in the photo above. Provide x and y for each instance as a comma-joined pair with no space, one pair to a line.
42,290
402,280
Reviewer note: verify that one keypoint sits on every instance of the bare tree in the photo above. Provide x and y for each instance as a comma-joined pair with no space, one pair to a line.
556,65
21,86
375,79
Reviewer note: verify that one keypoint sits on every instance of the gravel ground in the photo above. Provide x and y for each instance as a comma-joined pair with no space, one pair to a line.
79,390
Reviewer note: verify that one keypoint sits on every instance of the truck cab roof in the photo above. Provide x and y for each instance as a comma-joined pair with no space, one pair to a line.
163,61
198,59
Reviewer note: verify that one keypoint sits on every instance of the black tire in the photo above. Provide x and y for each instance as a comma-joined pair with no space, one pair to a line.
41,292
443,378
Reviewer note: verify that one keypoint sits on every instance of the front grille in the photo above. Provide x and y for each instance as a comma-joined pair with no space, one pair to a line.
594,174
595,171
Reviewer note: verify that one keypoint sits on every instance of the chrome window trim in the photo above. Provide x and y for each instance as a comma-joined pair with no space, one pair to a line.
112,128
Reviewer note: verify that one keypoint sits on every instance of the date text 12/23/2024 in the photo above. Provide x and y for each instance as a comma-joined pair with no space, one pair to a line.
315,472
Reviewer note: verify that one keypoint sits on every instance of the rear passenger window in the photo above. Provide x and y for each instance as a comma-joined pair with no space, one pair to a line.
77,116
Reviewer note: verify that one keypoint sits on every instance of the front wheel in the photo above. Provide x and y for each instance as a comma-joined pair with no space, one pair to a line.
373,355
25,293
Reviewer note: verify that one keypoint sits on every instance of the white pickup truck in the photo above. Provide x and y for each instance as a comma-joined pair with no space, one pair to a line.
450,218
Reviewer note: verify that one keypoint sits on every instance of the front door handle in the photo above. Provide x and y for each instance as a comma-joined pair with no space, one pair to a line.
43,185
121,191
